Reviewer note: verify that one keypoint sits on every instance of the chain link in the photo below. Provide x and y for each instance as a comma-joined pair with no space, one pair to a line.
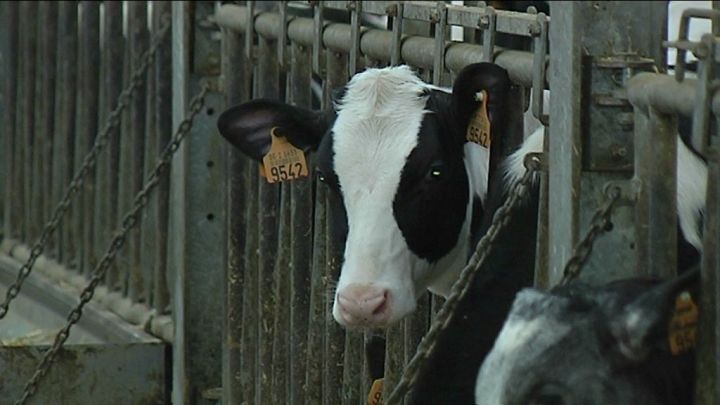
129,221
599,224
113,121
501,218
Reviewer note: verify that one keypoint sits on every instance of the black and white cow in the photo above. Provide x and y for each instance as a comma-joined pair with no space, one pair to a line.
591,346
412,188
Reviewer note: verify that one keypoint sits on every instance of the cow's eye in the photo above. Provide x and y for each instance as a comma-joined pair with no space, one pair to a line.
436,172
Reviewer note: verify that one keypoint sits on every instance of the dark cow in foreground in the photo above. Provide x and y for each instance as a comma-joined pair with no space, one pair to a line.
591,346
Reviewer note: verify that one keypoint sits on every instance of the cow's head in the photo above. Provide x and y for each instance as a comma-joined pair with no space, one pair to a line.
392,149
590,346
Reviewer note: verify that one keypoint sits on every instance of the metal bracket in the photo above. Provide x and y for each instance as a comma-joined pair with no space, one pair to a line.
683,45
628,189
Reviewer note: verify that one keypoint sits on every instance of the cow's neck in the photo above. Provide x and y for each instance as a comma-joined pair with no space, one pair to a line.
447,270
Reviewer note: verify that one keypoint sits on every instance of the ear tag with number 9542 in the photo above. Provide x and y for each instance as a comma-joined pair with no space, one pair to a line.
284,162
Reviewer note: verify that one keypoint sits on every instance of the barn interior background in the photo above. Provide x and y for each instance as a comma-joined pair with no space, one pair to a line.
185,275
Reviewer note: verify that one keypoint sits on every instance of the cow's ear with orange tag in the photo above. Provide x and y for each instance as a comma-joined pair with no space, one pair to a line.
478,130
284,162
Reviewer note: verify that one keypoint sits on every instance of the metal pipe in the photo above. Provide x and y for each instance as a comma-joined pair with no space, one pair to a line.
655,213
377,44
663,93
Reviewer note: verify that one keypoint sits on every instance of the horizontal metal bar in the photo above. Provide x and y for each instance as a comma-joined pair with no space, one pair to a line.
377,44
663,93
509,22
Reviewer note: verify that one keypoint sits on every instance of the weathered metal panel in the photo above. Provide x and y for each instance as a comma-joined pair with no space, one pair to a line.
80,374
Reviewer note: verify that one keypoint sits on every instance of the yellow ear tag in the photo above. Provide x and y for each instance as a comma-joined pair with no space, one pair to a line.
683,325
284,162
478,130
375,396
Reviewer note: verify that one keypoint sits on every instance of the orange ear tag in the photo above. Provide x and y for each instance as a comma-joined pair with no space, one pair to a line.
375,397
683,325
284,162
478,130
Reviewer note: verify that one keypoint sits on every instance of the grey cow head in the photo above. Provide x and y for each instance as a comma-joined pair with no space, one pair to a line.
589,346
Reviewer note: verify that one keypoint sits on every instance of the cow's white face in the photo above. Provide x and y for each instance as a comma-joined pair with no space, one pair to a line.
393,151
381,120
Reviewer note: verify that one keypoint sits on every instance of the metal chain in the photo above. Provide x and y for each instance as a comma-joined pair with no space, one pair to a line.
129,221
599,224
113,121
501,218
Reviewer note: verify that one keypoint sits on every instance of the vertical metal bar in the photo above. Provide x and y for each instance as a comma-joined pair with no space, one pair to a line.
707,385
337,66
440,34
564,158
539,57
268,87
487,24
542,247
148,227
415,328
281,338
318,46
355,8
87,124
300,94
44,113
106,186
162,101
10,59
197,215
137,44
394,356
282,36
655,213
64,127
316,325
26,97
236,77
397,15
250,320
352,367
116,278
703,101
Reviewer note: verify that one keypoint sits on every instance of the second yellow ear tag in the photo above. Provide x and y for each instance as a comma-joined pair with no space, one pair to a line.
683,325
284,162
478,130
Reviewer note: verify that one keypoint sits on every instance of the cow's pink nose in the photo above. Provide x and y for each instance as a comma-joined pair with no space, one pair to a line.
362,304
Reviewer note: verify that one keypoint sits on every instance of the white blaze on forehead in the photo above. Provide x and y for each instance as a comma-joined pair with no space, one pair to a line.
376,128
520,340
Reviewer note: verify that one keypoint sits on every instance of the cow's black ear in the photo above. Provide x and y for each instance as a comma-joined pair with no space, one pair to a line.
248,126
643,324
472,80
